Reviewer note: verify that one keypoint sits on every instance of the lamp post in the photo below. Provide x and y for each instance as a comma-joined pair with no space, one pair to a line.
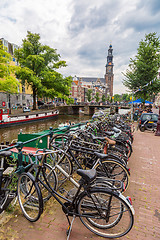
158,125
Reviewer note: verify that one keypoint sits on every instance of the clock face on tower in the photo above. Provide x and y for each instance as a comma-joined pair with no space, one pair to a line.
109,68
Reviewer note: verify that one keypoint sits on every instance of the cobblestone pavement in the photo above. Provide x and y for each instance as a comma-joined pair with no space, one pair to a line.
144,190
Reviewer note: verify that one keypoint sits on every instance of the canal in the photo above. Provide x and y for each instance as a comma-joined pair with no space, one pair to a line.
11,133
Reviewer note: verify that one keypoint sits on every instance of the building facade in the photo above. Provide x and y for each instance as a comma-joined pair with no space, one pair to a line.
23,97
80,86
104,86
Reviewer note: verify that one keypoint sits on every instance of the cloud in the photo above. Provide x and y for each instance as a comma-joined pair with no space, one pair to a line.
81,31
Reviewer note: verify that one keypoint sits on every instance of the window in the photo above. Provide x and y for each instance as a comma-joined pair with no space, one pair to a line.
23,89
152,117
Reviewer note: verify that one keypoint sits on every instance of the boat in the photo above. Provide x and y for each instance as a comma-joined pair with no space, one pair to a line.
31,142
7,121
66,124
42,138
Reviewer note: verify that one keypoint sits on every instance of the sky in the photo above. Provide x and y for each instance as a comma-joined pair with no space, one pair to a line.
82,31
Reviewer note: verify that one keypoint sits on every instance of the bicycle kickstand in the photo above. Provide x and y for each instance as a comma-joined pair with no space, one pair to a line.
69,229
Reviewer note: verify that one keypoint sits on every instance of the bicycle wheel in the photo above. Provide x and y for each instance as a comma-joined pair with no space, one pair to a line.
113,169
51,178
112,155
29,197
59,141
105,213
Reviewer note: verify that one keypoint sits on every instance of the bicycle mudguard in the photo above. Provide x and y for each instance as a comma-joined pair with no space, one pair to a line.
127,203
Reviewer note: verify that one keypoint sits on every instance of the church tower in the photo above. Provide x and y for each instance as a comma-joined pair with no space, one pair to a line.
109,71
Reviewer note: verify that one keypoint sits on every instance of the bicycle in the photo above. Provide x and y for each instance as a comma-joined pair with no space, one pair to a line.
9,171
84,157
105,212
6,179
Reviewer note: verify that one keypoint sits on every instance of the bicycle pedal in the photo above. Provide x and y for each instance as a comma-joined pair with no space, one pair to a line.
12,195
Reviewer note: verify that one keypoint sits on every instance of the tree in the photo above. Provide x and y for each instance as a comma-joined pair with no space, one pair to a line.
126,97
117,98
97,97
39,64
89,95
141,77
109,99
69,101
103,98
8,81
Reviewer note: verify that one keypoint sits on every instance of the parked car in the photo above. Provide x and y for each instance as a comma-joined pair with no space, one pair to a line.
26,109
152,117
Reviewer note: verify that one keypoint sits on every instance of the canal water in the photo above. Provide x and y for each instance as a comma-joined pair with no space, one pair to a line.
11,133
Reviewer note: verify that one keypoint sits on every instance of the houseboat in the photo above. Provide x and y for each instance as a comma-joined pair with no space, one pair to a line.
6,120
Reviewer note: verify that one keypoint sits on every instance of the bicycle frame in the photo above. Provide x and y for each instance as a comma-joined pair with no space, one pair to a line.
7,198
57,196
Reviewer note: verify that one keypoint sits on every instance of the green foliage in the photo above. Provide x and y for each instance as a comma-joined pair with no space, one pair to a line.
117,98
122,98
69,101
144,68
8,82
89,95
103,98
109,99
38,67
97,97
126,97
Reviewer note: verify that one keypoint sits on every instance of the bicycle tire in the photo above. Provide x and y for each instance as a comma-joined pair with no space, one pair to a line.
105,213
65,163
62,158
142,129
29,197
113,169
58,141
112,155
123,157
51,179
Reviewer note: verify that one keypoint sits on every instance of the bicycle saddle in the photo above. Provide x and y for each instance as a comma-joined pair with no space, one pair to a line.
109,133
100,155
110,141
5,154
116,130
87,175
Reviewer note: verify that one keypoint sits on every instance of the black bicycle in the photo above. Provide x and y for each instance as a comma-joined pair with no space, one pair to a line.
11,167
7,193
104,211
81,154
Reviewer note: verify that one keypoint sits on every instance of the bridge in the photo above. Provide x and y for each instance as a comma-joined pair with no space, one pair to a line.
88,109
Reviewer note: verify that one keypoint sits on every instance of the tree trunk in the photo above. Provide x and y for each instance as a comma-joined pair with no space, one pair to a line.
34,99
9,103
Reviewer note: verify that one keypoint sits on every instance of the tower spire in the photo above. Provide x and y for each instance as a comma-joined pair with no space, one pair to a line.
109,70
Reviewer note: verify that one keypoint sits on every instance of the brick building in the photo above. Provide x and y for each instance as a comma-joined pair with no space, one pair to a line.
23,97
80,86
104,86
